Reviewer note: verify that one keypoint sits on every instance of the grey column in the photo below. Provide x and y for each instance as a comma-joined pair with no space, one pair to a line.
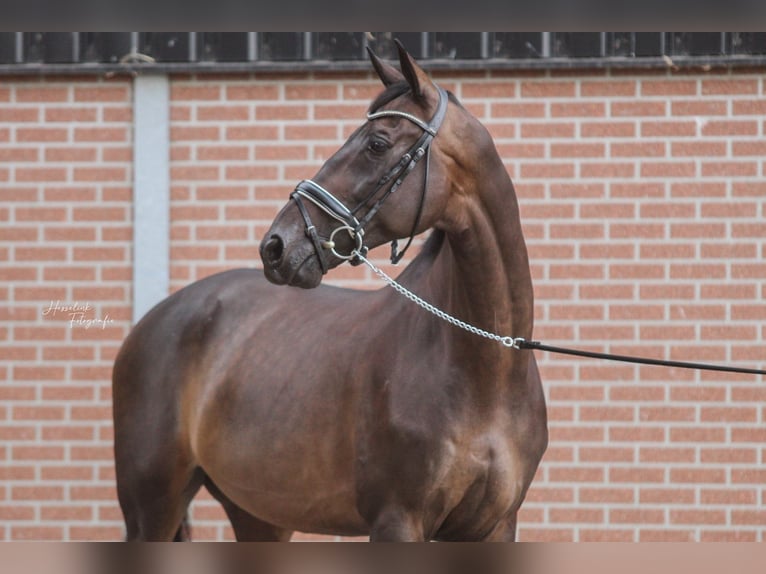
151,192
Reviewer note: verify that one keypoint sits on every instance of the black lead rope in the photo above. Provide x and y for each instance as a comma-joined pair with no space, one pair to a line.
537,345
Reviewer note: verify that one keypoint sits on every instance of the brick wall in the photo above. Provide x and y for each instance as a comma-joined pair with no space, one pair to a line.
65,237
643,198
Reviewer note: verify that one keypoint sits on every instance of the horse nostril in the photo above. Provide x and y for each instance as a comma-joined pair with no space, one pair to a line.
273,250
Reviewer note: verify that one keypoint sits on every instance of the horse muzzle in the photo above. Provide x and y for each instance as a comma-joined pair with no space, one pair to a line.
287,264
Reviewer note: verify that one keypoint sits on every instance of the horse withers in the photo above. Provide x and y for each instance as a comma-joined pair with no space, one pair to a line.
338,411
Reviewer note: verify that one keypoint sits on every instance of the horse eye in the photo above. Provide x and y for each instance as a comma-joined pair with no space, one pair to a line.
378,146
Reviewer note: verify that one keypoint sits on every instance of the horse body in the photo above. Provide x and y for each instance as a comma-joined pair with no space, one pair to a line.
338,411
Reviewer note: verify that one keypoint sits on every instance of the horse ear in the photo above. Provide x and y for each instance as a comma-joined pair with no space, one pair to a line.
387,73
413,73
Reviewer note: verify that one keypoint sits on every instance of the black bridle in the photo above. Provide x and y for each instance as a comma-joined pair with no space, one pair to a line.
311,191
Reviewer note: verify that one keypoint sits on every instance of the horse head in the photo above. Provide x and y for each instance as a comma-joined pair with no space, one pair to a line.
388,181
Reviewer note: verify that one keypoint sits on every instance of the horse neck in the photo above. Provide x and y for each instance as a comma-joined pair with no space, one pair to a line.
481,276
491,280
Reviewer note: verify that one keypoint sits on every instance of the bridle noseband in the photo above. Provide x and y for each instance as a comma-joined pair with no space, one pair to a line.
311,191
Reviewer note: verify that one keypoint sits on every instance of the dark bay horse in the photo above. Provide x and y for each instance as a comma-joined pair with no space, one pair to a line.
347,412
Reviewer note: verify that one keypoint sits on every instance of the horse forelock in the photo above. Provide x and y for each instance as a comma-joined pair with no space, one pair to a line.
399,89
388,95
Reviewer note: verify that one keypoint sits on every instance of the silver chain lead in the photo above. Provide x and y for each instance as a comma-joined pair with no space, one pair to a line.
509,342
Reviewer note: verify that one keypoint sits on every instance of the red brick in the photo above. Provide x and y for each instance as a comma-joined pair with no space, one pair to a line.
636,516
251,172
17,513
22,254
221,232
606,413
42,94
545,535
99,253
67,433
101,134
73,154
281,152
729,455
311,91
195,133
749,148
223,113
606,454
194,212
727,536
638,190
749,107
117,114
66,513
729,169
222,153
668,169
640,393
37,453
695,475
575,474
697,517
637,149
547,170
607,129
517,110
99,214
698,434
318,132
575,433
730,128
608,88
665,535
519,150
576,150
638,108
252,92
576,515
547,130
71,114
531,89
250,132
18,155
269,112
697,393
90,493
38,372
748,517
607,170
667,496
69,234
605,535
668,87
729,86
67,473
669,128
578,109
37,533
40,174
185,92
18,232
194,173
667,414
101,94
698,107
